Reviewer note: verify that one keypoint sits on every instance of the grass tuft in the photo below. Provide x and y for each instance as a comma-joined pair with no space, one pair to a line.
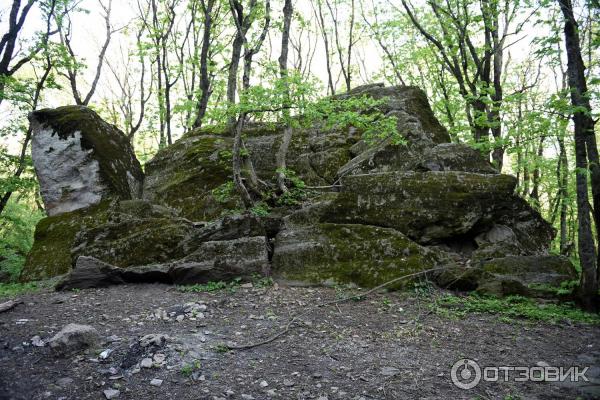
512,307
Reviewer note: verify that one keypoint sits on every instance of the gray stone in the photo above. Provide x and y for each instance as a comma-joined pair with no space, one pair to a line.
154,339
146,363
156,382
37,341
73,338
64,382
454,157
389,371
89,272
111,394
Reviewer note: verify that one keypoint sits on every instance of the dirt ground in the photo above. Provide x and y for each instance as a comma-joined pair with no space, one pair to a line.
389,346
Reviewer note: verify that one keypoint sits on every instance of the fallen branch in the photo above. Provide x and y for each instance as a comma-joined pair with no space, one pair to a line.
9,305
323,187
357,297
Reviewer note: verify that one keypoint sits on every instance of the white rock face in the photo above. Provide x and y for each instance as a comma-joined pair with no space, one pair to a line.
69,177
80,160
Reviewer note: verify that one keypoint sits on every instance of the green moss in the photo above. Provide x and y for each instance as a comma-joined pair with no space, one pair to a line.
54,236
8,290
184,175
339,253
514,307
132,241
426,205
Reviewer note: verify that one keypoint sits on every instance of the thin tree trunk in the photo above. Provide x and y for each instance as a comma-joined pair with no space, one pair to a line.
237,162
321,20
535,180
204,77
34,103
563,179
283,72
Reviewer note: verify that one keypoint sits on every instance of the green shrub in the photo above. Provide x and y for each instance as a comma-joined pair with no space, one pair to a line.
17,226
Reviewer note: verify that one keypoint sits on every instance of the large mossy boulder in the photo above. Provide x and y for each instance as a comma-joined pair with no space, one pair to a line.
381,211
127,232
189,174
447,208
81,160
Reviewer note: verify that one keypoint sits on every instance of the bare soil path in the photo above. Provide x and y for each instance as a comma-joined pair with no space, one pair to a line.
389,346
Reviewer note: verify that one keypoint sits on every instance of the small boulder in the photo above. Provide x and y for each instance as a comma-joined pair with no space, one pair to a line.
73,338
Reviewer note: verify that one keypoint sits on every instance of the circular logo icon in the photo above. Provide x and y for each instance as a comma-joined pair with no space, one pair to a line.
465,374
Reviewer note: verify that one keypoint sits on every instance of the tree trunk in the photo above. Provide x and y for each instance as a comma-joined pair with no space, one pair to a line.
563,179
537,175
204,79
283,60
34,104
326,44
584,128
237,162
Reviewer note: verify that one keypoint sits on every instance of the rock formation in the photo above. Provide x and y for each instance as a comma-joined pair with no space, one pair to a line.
390,210
82,163
80,160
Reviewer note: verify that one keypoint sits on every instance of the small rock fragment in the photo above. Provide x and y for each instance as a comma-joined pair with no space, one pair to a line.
111,394
104,355
156,339
389,371
64,382
37,341
146,363
156,382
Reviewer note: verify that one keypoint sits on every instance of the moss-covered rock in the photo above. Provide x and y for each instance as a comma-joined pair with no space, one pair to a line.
345,253
510,275
410,104
426,206
394,210
81,160
223,260
54,236
454,157
126,242
184,175
532,270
